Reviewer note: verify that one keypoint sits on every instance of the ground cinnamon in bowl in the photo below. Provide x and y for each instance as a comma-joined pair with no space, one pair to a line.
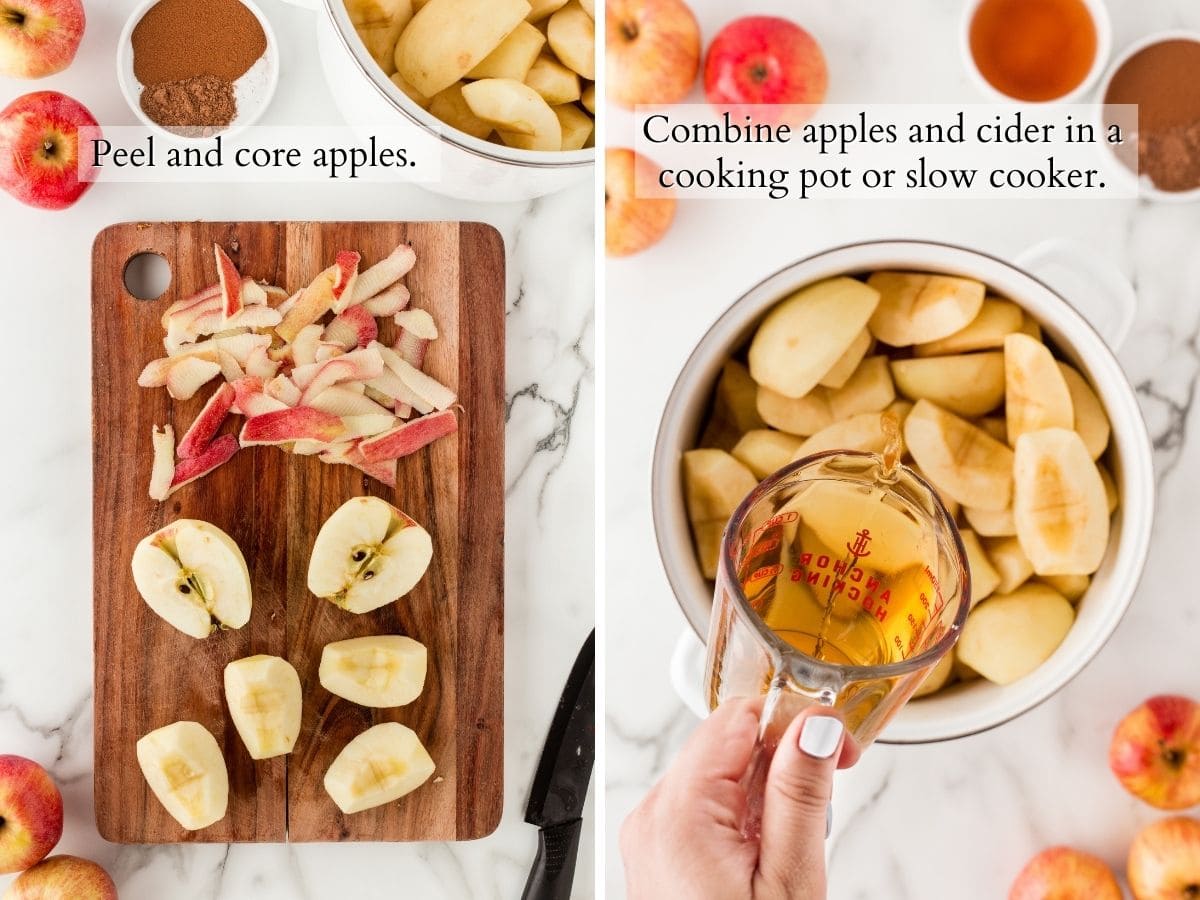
1163,79
188,55
195,106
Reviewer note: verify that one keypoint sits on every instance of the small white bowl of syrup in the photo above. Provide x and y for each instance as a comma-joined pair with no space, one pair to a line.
1036,51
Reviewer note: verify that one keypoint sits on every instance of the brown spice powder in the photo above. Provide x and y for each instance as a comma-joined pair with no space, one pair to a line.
180,39
193,106
1163,79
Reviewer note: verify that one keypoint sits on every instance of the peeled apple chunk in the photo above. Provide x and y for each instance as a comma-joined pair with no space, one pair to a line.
522,117
714,484
862,432
937,677
184,768
1059,505
1036,393
378,671
380,765
984,577
805,335
368,554
916,307
764,451
970,384
263,693
959,459
446,39
996,319
836,510
1090,419
1009,635
192,574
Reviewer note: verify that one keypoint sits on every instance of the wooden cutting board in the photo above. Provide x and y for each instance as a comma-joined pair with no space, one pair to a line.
147,674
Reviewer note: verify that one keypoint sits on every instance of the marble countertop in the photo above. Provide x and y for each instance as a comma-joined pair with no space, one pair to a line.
959,819
45,480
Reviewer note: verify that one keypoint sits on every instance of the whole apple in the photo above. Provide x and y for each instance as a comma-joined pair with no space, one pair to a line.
1064,873
63,878
1155,752
1164,860
652,51
765,60
31,813
39,149
631,223
39,37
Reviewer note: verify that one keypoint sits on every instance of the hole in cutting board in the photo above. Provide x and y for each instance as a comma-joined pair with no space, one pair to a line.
147,276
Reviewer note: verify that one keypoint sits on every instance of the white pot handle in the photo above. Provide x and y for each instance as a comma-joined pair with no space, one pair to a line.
687,672
1090,282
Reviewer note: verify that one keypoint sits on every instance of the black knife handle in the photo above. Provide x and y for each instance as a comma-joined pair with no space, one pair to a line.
554,869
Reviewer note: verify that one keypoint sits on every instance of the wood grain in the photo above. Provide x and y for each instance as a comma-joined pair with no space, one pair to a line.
147,674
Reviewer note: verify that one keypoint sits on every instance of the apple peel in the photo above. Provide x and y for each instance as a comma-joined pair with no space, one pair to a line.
291,424
384,273
201,432
409,437
217,454
230,280
355,327
388,302
307,370
162,472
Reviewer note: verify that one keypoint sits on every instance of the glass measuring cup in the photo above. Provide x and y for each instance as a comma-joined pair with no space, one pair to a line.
842,581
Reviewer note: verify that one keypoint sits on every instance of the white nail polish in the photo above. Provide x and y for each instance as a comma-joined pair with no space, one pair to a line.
820,736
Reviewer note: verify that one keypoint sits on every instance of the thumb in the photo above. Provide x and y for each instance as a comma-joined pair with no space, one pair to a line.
798,790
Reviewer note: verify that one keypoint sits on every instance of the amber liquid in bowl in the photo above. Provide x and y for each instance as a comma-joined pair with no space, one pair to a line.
1033,50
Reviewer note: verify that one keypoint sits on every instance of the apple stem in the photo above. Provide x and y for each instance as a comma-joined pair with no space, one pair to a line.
16,17
629,31
759,72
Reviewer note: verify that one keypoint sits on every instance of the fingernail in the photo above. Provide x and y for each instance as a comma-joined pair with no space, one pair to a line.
820,736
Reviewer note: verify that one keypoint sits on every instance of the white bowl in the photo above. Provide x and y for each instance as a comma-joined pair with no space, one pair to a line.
253,90
978,705
1103,25
1146,188
472,169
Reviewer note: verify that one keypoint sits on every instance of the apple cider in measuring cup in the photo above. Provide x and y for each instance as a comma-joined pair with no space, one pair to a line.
844,570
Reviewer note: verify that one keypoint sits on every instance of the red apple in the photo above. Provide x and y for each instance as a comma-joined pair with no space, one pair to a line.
31,813
652,51
1064,873
761,60
1164,861
63,878
631,224
39,37
39,149
1155,752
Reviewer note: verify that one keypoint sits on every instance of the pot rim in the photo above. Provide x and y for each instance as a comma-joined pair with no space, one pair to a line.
1135,533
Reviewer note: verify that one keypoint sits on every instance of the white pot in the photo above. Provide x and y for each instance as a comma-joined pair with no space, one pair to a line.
979,705
471,169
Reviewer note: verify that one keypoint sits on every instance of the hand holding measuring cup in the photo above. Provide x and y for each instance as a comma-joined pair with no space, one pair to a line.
842,581
685,838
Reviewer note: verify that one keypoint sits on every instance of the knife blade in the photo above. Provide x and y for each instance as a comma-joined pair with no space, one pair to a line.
560,784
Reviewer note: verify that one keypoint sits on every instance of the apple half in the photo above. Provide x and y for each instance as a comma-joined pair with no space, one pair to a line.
193,575
368,554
